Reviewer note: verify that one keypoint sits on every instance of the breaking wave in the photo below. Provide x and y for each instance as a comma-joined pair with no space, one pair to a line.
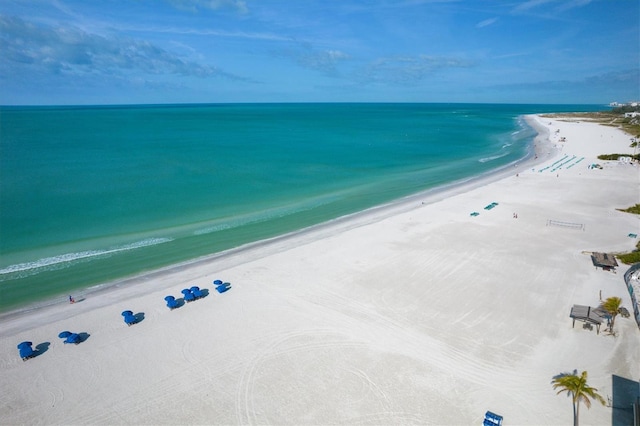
64,260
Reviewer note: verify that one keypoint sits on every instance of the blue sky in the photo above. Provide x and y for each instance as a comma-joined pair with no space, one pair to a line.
62,52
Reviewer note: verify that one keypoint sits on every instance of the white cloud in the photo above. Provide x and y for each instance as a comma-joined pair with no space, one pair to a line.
239,6
531,4
486,22
307,57
556,5
68,50
409,69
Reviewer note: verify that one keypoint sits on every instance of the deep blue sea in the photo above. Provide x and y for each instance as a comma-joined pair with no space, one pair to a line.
89,195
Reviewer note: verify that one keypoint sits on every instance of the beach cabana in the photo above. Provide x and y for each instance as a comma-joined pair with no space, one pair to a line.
197,293
129,318
70,337
26,351
222,287
188,295
73,338
586,314
605,261
172,303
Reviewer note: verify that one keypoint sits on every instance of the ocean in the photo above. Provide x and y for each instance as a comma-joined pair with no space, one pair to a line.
93,194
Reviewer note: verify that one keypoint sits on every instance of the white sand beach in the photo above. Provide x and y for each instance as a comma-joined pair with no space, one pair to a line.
416,313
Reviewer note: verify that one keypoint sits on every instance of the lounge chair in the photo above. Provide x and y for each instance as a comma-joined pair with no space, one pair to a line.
26,351
492,419
490,206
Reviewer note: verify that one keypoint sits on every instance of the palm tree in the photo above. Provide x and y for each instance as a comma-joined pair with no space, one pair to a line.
612,305
580,391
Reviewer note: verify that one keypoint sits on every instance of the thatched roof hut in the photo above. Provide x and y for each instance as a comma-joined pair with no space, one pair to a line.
605,261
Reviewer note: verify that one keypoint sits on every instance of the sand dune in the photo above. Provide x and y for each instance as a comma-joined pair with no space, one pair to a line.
416,313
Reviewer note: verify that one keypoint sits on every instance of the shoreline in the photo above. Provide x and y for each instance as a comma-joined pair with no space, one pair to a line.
413,313
539,145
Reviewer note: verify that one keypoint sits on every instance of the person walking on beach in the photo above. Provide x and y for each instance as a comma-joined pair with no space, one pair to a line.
71,299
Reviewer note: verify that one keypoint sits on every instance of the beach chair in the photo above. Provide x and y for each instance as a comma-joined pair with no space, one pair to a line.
26,351
172,303
490,206
492,419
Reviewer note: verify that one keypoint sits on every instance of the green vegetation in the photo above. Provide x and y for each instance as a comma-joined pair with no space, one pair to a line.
614,118
624,108
633,209
580,391
616,156
634,256
612,306
630,258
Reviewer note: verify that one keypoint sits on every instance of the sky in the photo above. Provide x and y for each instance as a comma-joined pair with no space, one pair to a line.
79,52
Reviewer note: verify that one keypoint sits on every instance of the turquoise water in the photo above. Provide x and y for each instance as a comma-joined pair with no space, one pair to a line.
93,194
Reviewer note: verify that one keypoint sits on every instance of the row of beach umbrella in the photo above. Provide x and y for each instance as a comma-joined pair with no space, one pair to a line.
195,293
27,352
70,337
189,294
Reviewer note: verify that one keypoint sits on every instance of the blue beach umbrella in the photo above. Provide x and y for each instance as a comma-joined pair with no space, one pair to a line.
186,291
64,334
24,344
127,313
169,298
194,288
217,282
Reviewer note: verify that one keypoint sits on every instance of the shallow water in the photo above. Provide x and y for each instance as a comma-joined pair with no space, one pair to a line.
93,194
